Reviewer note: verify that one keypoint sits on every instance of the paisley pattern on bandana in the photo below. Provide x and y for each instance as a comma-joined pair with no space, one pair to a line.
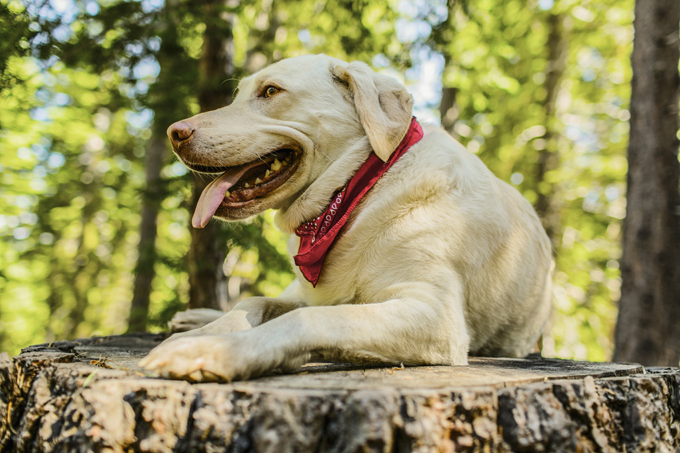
320,226
318,235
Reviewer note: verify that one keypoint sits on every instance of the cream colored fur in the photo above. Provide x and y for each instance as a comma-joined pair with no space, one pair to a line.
440,260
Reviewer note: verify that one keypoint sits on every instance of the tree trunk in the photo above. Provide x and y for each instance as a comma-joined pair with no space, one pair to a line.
80,280
144,270
548,157
88,395
447,108
647,330
208,284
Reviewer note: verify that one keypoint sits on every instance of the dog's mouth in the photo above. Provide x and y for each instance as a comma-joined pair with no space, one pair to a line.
239,185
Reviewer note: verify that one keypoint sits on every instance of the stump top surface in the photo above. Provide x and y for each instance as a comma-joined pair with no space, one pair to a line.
117,356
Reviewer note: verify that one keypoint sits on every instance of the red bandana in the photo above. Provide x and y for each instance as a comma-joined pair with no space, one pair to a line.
318,236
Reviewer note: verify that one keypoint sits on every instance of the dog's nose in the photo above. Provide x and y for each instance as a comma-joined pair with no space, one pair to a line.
179,132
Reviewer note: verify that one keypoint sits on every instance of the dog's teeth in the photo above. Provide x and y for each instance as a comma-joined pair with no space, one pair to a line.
227,194
258,181
246,185
276,166
267,173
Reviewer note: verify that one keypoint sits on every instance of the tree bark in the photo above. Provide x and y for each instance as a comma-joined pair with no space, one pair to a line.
88,395
647,330
207,282
548,157
447,109
144,270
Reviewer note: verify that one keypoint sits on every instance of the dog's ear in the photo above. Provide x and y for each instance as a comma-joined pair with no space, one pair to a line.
383,104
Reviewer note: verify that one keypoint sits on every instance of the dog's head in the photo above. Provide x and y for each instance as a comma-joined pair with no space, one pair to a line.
287,125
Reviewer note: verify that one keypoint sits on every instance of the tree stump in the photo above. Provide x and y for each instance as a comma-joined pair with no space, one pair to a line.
88,395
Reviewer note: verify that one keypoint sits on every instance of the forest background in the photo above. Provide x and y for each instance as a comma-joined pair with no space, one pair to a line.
95,209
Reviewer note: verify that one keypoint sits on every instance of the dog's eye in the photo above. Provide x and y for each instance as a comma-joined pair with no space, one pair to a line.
270,91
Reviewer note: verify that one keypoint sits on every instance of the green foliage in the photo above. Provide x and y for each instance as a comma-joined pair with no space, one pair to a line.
85,90
14,42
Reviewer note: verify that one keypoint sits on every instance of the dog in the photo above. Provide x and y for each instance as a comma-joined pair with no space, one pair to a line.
435,260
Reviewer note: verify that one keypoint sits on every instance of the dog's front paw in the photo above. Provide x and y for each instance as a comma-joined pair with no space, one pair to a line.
193,319
198,359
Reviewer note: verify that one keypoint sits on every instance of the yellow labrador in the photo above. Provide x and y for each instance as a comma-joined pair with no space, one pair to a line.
438,259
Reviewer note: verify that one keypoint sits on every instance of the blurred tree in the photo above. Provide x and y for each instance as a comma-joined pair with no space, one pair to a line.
207,281
443,33
548,153
68,246
175,72
153,195
648,327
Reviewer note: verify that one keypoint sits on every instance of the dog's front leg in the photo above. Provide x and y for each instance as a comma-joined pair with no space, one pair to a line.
192,319
405,330
245,315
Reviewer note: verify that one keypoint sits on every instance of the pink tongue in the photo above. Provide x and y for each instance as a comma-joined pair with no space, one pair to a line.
213,194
